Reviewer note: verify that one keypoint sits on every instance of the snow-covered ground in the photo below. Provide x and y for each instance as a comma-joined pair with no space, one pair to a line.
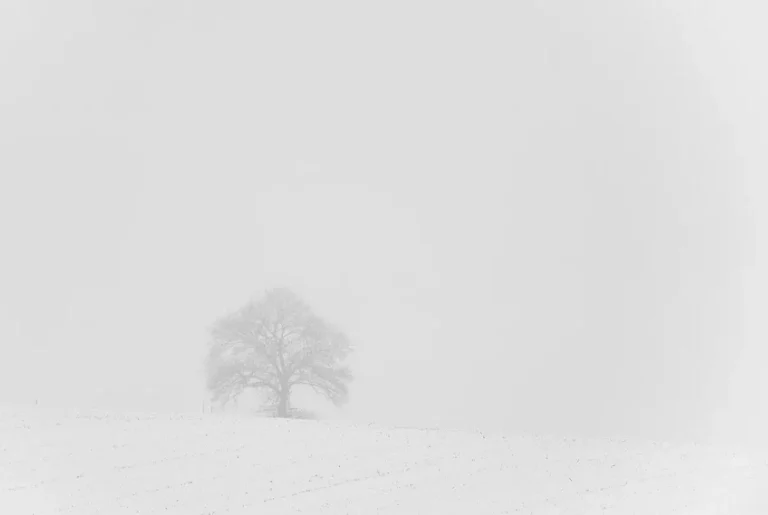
83,464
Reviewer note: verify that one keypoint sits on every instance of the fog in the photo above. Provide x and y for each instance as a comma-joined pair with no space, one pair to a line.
537,216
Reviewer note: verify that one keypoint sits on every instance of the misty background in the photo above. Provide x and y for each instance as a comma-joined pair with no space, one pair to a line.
539,216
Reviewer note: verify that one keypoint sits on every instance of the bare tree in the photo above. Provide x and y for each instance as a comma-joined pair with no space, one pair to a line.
273,345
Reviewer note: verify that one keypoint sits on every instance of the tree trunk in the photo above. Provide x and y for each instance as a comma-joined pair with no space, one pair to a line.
283,401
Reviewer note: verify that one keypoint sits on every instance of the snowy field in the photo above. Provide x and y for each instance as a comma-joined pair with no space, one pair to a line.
83,464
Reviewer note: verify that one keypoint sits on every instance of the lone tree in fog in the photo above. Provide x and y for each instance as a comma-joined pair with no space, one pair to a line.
272,345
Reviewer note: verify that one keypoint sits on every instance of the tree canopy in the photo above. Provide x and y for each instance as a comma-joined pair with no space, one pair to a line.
273,345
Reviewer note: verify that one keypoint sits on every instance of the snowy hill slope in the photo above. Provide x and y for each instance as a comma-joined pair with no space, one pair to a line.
187,465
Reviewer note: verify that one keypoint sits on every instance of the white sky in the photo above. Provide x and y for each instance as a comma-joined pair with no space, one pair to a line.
531,216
